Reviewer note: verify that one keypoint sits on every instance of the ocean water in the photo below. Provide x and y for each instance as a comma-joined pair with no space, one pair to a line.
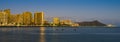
59,34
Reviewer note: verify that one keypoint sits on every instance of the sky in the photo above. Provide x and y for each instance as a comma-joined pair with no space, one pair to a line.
106,11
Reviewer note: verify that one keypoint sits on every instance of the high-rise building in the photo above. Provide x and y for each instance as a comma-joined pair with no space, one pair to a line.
27,18
7,13
5,16
12,19
39,18
56,20
18,19
1,17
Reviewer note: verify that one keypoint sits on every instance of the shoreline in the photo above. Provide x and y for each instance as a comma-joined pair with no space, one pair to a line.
62,26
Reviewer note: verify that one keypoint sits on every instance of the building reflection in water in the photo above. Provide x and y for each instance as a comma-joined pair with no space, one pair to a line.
42,34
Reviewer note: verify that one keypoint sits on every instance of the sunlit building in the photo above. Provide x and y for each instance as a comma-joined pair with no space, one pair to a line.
110,25
56,20
32,21
1,17
68,22
39,18
12,19
27,18
5,16
18,19
7,13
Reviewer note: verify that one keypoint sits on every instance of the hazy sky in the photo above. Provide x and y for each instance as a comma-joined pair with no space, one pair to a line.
106,11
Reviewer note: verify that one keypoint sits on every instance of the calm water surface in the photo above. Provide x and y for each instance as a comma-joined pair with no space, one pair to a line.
59,34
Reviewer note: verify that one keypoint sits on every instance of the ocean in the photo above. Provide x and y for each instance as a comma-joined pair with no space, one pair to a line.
59,34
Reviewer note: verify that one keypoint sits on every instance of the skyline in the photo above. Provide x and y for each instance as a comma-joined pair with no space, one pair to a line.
106,11
27,19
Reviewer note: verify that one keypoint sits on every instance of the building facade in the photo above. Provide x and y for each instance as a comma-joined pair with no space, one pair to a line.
27,18
4,16
7,15
56,20
39,18
1,17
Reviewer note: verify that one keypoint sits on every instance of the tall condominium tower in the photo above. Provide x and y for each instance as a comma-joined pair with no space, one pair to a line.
7,14
27,18
39,18
2,17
